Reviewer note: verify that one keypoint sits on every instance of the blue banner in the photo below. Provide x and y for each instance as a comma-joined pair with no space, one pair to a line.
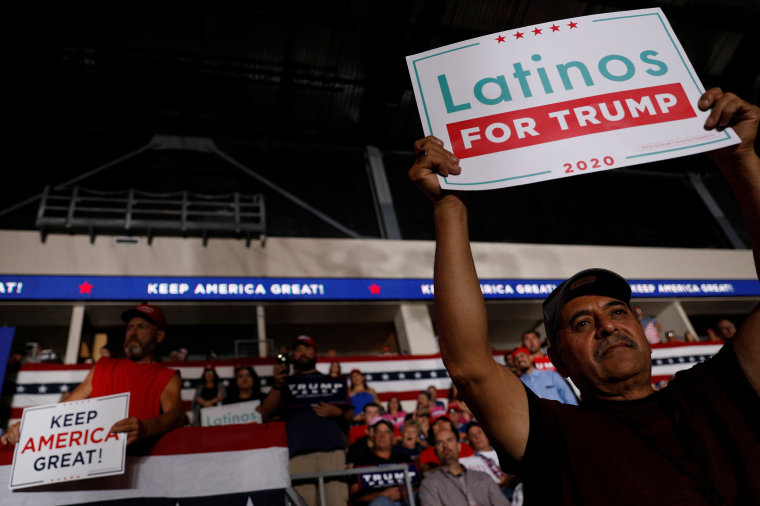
6,339
156,288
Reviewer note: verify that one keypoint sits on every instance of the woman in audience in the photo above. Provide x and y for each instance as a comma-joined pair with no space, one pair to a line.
393,413
335,371
360,394
210,392
247,386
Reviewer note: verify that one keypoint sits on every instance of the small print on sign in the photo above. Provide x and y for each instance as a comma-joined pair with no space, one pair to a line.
70,441
562,99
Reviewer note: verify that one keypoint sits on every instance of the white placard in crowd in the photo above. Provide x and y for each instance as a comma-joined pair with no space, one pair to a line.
70,441
475,463
562,98
228,414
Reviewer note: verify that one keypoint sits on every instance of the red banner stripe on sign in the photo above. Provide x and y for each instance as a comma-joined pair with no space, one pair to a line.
574,118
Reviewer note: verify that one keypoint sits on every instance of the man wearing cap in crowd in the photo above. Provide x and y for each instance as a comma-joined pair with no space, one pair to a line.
694,442
154,404
380,454
531,340
546,384
314,432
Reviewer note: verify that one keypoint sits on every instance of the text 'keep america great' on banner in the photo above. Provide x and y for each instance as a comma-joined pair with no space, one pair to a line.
562,98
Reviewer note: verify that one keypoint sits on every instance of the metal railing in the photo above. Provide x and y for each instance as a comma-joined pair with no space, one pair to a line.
76,209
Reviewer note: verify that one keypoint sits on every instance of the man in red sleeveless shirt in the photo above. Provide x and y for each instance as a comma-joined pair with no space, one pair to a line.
154,405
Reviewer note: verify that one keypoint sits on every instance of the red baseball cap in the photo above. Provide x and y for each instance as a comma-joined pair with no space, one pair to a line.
153,314
303,339
521,349
453,406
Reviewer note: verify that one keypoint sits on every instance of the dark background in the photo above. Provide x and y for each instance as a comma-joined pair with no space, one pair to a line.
296,91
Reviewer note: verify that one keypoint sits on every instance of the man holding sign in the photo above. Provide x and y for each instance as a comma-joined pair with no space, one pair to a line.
695,442
154,405
315,409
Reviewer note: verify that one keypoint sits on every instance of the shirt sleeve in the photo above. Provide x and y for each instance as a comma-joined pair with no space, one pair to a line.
495,496
427,494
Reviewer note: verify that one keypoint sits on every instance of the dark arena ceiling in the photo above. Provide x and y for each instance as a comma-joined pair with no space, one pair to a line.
297,90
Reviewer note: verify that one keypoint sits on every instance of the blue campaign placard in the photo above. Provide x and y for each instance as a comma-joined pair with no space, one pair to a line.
311,390
384,479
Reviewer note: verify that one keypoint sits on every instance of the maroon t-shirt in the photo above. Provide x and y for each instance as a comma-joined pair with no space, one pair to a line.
695,442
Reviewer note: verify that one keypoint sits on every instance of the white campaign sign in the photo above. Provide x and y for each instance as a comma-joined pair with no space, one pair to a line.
228,414
561,99
70,441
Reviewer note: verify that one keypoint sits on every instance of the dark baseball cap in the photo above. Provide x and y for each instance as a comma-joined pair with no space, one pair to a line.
383,421
587,282
303,339
153,314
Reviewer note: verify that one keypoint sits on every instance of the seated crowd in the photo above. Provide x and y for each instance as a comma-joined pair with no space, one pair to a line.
448,449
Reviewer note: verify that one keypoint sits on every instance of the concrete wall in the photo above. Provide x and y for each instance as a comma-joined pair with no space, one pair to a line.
21,252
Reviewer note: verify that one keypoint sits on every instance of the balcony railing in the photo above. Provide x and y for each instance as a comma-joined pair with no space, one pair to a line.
77,210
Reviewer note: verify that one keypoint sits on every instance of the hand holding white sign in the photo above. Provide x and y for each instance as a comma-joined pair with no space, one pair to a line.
562,99
70,441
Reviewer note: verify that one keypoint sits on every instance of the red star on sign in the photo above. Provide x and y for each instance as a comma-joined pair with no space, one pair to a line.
572,24
555,28
374,289
500,39
518,35
536,31
85,287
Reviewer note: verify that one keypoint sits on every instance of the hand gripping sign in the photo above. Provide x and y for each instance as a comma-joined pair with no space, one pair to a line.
561,99
70,441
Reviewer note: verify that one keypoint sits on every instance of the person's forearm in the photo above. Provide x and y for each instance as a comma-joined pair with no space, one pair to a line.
162,423
745,181
459,305
270,403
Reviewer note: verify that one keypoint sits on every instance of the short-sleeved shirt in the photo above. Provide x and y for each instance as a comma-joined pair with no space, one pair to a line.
145,382
549,385
695,442
308,432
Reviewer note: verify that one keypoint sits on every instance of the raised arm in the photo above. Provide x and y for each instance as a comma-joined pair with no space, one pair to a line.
492,392
740,165
272,401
